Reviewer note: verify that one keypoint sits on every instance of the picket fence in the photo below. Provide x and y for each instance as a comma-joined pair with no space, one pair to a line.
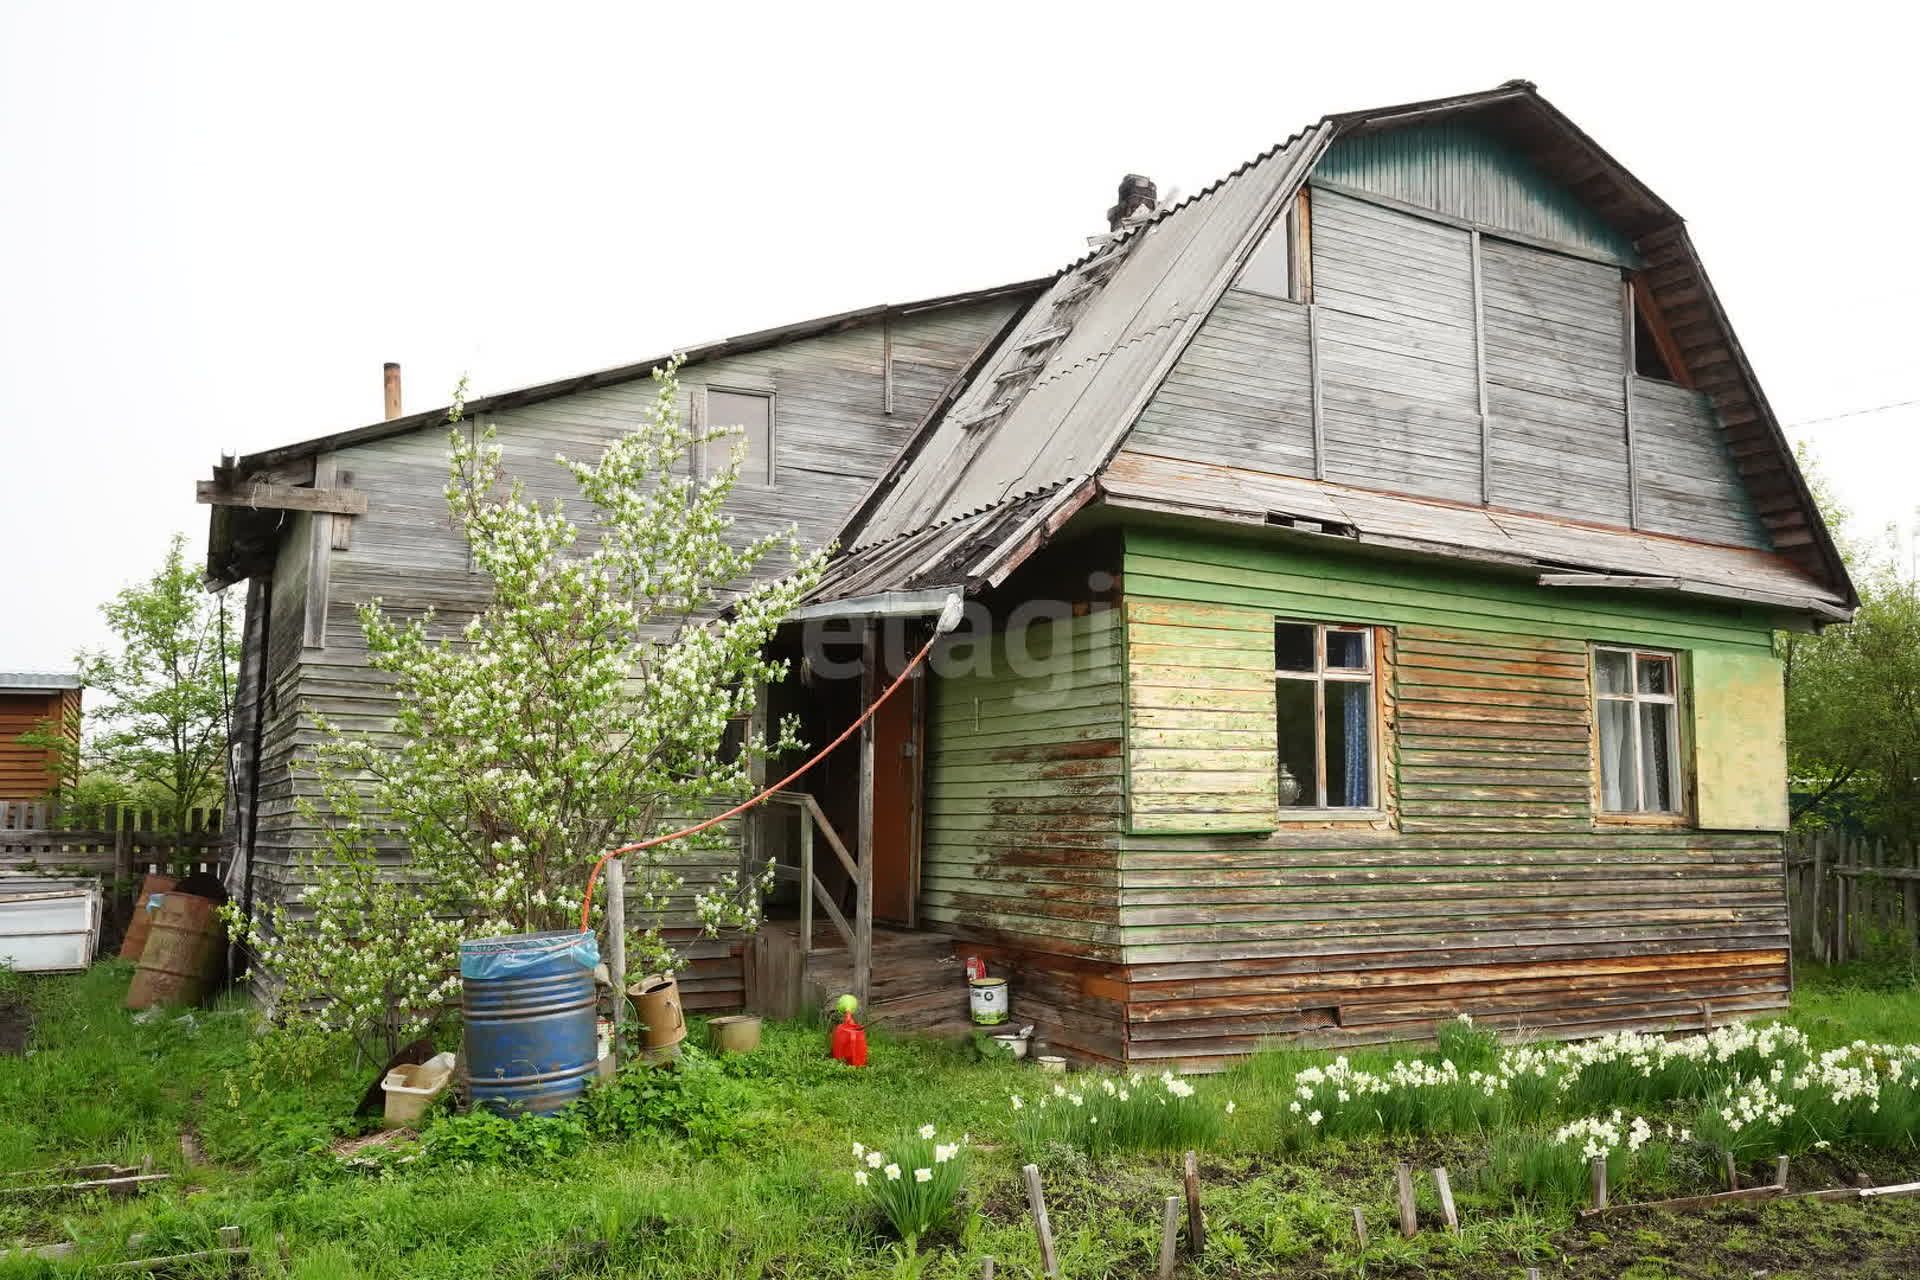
119,841
1846,894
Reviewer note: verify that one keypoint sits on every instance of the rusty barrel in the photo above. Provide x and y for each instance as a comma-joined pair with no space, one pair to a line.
142,922
182,952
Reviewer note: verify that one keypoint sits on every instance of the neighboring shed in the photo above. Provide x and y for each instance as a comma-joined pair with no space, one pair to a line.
29,700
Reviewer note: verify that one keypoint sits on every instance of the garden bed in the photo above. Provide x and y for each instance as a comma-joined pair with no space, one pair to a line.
745,1168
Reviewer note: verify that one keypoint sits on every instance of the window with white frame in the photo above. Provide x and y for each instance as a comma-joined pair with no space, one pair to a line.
738,414
1323,681
1636,708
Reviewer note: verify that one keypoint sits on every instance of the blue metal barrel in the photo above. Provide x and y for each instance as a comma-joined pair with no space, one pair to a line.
529,1009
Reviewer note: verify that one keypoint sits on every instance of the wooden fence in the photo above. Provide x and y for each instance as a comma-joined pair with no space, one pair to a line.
120,842
1845,893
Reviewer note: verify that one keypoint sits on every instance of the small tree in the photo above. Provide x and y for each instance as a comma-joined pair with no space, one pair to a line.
584,707
1853,693
157,730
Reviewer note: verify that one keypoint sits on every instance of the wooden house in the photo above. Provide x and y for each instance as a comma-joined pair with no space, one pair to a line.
28,701
1372,565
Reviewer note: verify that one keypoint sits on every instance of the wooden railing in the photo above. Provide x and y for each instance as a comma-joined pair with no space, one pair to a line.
859,934
1846,893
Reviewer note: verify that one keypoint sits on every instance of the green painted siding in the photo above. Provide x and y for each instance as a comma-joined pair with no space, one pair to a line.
1490,887
1463,173
1025,791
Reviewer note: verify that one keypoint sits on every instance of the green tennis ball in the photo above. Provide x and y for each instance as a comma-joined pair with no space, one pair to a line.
847,1004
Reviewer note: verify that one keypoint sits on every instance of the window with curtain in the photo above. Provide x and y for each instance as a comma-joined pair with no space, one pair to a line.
1323,693
1636,707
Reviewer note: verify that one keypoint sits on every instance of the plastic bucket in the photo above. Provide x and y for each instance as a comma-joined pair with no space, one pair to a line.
135,941
987,1001
737,1034
410,1090
182,951
657,999
530,1040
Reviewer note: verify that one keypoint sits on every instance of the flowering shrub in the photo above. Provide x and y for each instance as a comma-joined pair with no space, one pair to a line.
914,1182
583,706
1133,1113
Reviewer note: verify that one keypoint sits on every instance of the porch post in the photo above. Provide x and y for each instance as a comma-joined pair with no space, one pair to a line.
863,903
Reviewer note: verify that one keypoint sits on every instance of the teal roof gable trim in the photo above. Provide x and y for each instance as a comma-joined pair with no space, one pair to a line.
1457,170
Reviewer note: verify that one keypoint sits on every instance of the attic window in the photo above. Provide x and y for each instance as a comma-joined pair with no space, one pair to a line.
1279,265
735,414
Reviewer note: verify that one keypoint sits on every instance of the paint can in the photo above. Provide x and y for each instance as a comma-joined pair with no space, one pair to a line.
987,1000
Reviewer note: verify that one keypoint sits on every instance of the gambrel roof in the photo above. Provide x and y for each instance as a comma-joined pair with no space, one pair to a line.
1035,433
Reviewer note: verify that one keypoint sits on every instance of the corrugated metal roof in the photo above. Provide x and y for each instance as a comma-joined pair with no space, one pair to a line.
1112,325
14,680
1127,312
956,553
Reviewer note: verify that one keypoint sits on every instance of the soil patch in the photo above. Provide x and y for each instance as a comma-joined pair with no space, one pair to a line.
16,1026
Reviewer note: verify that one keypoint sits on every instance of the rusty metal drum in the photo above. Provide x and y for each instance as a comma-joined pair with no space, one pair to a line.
182,954
135,941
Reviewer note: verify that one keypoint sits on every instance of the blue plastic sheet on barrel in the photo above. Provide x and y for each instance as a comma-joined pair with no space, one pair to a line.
529,1006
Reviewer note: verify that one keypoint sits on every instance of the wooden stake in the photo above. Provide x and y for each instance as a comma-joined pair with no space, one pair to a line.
1403,1185
1169,1232
1360,1227
1599,1168
1196,1220
1445,1187
986,1269
1038,1205
1780,1172
1733,1174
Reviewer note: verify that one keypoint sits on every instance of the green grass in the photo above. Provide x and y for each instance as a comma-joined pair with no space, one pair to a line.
746,1170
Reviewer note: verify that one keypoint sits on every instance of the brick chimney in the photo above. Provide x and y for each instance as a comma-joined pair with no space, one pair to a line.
1138,199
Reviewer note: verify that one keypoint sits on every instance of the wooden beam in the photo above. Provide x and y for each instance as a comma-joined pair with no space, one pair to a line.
265,496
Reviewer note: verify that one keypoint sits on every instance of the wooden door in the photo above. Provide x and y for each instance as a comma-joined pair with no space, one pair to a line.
896,801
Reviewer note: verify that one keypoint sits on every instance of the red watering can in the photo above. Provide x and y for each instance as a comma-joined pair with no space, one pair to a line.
850,1040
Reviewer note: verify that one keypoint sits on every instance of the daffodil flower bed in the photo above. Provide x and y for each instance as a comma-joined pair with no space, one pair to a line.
914,1181
1751,1091
1105,1114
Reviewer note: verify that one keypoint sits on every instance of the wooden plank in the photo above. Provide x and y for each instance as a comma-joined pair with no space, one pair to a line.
282,497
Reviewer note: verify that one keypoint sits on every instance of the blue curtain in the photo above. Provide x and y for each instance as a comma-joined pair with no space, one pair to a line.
1356,775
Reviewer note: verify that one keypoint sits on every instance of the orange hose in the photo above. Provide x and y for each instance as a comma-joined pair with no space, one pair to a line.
586,907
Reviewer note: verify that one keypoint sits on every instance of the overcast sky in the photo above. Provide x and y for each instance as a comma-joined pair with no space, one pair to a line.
220,219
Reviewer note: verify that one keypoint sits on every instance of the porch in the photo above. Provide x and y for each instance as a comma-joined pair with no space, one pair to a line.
906,979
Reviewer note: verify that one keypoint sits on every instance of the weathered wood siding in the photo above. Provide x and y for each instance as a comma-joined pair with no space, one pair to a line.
1024,796
1490,889
1689,483
1399,389
1450,350
832,437
1556,390
1242,394
1459,172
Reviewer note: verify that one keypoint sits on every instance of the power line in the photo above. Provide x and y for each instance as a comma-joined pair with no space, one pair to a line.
1851,413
